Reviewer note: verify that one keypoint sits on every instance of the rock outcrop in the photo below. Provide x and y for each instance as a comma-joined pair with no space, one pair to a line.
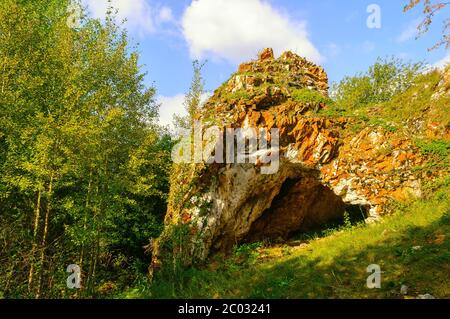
327,166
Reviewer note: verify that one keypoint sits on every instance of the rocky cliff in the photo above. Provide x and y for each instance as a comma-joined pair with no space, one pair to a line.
327,165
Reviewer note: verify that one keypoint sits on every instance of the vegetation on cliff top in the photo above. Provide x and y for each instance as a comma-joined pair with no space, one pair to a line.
394,94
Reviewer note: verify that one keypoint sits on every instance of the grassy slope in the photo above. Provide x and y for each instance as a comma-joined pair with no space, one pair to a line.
334,266
416,103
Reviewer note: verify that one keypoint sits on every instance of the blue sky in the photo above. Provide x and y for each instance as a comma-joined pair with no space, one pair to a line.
333,33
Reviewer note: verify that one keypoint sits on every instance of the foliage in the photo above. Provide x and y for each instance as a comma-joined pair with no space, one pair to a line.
437,150
383,81
310,97
247,252
424,101
193,99
238,95
434,147
83,166
418,102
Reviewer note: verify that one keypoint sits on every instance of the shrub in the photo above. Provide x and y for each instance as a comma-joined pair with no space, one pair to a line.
309,97
439,148
385,79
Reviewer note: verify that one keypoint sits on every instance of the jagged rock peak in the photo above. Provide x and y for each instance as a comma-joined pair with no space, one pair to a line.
290,70
268,82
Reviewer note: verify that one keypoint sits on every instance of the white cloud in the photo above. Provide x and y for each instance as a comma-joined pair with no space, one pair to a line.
171,105
410,31
165,14
441,64
142,18
236,30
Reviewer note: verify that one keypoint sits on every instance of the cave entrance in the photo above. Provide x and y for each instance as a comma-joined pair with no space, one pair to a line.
303,205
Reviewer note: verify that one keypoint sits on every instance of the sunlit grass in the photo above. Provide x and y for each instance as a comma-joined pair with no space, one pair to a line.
411,246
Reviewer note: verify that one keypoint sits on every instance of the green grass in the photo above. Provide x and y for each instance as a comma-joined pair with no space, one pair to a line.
239,95
309,96
439,148
333,266
418,102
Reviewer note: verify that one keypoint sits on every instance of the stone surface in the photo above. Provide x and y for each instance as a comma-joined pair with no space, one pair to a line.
425,296
266,54
326,166
404,290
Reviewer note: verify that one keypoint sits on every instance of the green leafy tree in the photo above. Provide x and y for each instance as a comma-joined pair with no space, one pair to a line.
83,163
193,99
383,80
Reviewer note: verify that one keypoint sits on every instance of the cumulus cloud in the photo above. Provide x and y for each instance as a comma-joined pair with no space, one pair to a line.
165,15
236,30
171,105
142,18
442,63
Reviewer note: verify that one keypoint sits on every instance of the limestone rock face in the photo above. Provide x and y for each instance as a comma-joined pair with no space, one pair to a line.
326,166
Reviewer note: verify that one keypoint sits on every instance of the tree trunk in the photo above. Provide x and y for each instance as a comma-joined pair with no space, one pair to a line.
44,237
3,75
4,69
82,252
89,280
37,214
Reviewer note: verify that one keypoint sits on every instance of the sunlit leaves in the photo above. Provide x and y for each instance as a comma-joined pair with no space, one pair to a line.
78,142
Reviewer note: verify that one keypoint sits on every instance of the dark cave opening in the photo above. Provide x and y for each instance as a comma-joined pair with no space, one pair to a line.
357,213
303,205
